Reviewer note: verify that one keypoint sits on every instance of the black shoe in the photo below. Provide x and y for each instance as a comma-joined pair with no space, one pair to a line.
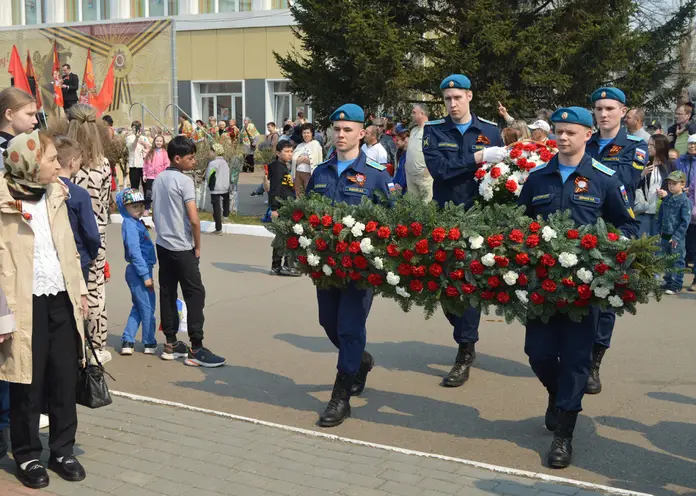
551,417
276,271
255,193
290,272
203,357
460,371
594,384
69,468
34,476
561,451
338,408
366,365
172,351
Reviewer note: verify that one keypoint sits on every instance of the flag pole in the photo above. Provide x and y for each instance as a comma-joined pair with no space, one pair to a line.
45,118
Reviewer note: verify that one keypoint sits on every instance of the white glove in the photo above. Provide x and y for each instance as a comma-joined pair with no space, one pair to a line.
494,154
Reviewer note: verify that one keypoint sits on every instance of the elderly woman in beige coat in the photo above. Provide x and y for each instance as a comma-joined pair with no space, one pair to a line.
42,283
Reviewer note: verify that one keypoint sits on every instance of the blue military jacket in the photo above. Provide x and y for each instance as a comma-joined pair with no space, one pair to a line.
591,192
449,156
363,178
626,154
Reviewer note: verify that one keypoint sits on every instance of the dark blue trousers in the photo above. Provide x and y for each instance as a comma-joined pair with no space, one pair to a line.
4,404
560,353
465,327
343,314
605,326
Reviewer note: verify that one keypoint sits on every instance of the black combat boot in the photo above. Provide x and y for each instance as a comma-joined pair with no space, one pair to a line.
460,371
338,408
551,417
561,447
594,384
366,365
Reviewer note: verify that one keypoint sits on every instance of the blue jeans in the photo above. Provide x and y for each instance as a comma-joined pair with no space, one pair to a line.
4,404
143,309
675,280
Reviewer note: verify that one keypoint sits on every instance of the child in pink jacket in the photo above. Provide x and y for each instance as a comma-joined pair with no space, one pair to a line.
155,162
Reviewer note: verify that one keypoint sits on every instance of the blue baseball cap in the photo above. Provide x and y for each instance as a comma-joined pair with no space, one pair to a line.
573,115
348,112
459,81
608,94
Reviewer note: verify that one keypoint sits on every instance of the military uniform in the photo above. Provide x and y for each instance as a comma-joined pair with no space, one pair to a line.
560,351
449,156
343,312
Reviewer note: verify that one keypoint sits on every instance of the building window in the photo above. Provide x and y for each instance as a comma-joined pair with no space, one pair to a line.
245,5
138,8
206,6
105,12
72,11
281,101
156,8
224,101
90,10
173,7
280,4
227,6
32,11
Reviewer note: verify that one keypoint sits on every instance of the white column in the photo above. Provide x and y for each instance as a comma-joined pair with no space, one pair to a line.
5,13
188,7
261,5
120,9
55,11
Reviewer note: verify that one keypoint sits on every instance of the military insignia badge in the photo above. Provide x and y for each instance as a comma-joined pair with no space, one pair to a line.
341,115
451,84
426,142
483,139
624,195
639,156
615,149
581,185
564,115
604,94
357,179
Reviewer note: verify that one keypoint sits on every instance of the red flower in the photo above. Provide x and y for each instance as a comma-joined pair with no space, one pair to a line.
292,242
422,246
408,255
480,174
302,259
515,153
401,231
346,261
459,254
354,247
584,292
532,240
568,282
613,237
601,268
541,271
545,155
321,244
374,279
451,291
393,251
435,270
573,234
534,227
495,240
355,276
454,234
503,298
457,275
522,259
316,275
581,303
522,280
326,221
416,286
404,269
439,234
384,232
501,261
468,288
337,228
297,215
516,235
548,260
487,295
360,262
551,143
495,172
314,220
628,296
621,256
588,241
433,286
371,226
562,303
476,267
537,299
548,285
341,247
493,282
340,273
440,255
511,185
418,271
331,262
416,228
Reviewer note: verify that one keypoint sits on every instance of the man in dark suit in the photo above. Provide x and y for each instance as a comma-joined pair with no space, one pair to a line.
70,86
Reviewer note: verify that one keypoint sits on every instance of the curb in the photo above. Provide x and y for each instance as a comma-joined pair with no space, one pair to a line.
208,227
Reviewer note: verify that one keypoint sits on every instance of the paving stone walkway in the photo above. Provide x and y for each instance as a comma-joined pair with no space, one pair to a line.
139,449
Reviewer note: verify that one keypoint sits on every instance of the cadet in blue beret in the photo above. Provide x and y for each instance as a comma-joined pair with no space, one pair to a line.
453,148
627,155
560,351
348,177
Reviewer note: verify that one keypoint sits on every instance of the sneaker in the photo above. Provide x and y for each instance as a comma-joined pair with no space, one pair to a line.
218,233
127,348
255,193
104,356
692,288
276,271
172,351
670,292
43,421
150,349
203,357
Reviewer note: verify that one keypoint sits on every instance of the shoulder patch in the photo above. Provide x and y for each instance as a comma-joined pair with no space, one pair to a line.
538,168
602,168
374,164
487,121
438,121
633,138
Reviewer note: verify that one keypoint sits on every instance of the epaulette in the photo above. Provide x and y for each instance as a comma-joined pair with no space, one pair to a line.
634,138
538,167
375,165
438,121
487,121
602,168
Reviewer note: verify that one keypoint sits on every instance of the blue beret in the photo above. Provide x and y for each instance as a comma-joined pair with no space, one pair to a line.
348,112
573,115
609,94
456,81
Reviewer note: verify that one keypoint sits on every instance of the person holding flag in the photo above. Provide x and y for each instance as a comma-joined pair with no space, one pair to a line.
70,85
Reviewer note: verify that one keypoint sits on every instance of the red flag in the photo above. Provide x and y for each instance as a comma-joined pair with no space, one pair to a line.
87,94
15,68
106,94
32,73
57,80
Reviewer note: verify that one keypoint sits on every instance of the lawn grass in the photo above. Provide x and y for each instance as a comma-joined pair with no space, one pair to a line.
252,220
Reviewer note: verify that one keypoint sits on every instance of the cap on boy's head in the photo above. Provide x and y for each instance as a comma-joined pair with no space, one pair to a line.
218,149
457,81
349,112
608,94
132,196
677,177
692,139
573,115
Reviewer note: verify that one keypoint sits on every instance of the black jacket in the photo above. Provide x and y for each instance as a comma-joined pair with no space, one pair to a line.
281,185
73,84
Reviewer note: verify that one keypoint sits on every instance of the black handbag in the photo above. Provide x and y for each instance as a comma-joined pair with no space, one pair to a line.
92,390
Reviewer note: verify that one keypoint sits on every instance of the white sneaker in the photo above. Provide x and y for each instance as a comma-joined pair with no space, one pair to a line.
150,350
126,349
670,292
43,421
103,355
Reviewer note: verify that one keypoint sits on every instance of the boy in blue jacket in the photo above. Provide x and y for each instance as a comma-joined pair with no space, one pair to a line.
674,218
141,258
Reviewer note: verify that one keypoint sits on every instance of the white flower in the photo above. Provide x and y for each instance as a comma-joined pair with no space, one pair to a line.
510,278
601,292
313,260
521,295
305,241
378,263
402,292
567,259
585,275
392,278
357,229
298,229
504,168
366,245
517,176
548,234
487,192
488,260
348,221
327,270
476,242
615,301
